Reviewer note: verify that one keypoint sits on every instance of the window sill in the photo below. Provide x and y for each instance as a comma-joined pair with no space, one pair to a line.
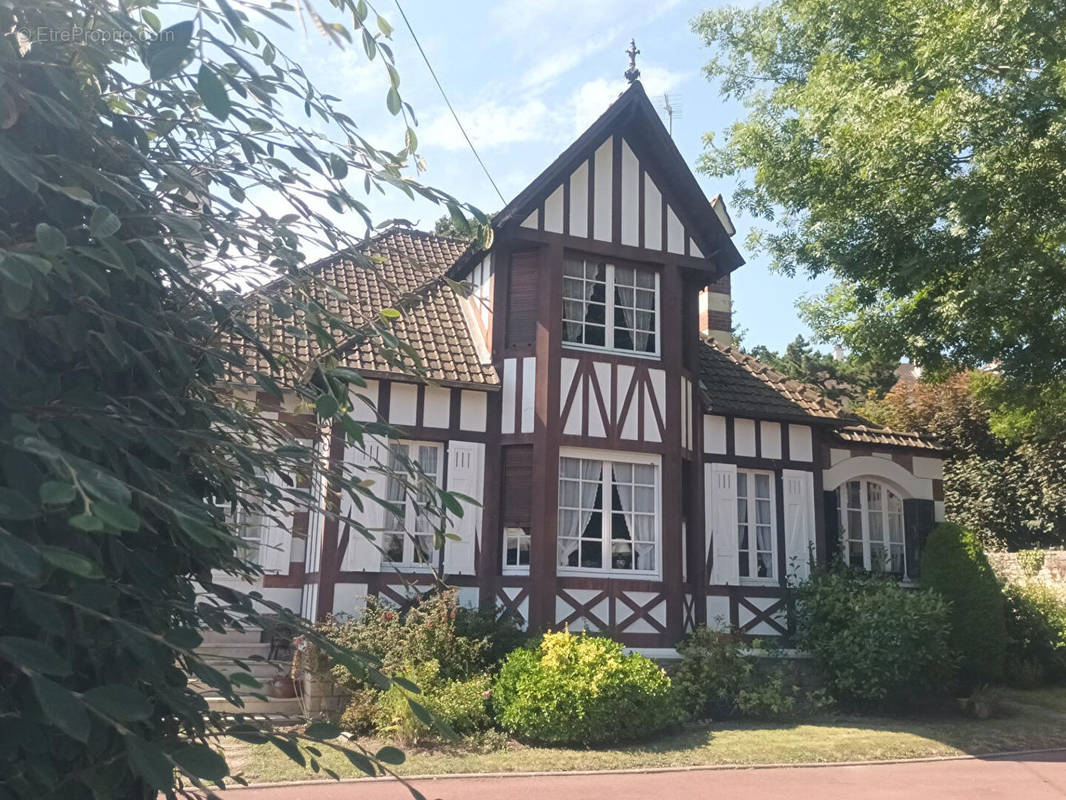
515,571
592,572
592,348
759,582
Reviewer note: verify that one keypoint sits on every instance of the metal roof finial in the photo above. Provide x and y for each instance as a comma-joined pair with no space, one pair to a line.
632,73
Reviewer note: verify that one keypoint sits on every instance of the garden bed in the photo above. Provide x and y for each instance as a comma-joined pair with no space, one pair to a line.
1030,720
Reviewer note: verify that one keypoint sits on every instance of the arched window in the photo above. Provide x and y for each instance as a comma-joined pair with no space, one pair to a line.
871,526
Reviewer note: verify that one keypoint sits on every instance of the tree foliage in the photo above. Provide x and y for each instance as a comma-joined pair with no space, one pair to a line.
849,378
154,160
915,151
1009,492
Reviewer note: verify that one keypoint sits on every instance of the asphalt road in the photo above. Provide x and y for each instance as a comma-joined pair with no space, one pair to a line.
1033,777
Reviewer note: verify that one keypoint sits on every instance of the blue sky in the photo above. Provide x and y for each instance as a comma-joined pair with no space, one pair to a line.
526,77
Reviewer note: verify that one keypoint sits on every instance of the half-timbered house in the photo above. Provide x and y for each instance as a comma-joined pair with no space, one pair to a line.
636,473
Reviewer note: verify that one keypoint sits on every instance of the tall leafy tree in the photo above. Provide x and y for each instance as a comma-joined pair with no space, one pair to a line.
848,378
155,158
915,150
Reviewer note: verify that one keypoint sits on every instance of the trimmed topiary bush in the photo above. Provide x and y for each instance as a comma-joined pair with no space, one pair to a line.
581,690
877,643
955,566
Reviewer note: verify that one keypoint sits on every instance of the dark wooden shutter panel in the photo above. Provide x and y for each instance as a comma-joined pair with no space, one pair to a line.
521,319
832,526
918,520
517,486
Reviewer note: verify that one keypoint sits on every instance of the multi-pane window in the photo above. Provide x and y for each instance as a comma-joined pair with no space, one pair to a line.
409,532
608,515
755,524
610,306
516,549
871,527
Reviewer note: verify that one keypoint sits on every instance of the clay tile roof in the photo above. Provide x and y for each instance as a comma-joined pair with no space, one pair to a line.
865,434
732,382
400,266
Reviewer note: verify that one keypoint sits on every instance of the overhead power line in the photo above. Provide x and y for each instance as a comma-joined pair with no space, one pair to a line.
448,102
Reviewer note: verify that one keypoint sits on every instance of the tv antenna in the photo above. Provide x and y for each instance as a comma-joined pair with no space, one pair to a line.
671,107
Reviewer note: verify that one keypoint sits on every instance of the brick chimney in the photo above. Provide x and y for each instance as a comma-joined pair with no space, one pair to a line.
716,312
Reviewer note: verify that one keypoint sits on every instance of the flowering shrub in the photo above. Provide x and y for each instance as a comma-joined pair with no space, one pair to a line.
581,690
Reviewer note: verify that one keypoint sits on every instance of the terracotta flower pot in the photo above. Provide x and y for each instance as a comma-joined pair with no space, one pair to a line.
282,687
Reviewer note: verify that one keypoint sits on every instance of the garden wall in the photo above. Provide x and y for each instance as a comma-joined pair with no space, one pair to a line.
1045,566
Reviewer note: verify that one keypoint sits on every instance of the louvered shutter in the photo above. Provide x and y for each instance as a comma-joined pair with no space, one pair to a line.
798,486
721,483
364,554
275,544
465,476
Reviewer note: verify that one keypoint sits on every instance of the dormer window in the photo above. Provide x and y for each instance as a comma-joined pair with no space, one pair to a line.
610,306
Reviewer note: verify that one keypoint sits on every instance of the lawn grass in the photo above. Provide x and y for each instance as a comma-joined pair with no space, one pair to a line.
1030,720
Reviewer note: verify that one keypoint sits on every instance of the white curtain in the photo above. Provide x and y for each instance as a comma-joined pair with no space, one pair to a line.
639,508
572,523
575,316
640,321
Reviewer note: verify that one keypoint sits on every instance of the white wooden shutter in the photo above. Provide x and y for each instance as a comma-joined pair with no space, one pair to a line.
721,504
799,521
363,554
465,475
275,545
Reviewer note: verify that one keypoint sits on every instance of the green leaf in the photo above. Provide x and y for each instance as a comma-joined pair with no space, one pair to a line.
103,222
326,405
50,240
212,92
338,166
346,375
121,517
390,755
16,506
86,522
70,561
62,708
121,703
150,762
33,655
185,638
56,493
169,51
18,556
384,26
393,102
322,730
201,761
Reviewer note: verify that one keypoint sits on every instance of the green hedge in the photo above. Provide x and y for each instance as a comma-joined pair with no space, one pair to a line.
955,566
877,643
581,690
1036,634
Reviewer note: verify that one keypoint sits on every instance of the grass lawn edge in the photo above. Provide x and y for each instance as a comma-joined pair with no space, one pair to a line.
650,770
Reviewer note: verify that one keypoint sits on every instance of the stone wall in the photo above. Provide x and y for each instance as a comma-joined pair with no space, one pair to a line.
1045,566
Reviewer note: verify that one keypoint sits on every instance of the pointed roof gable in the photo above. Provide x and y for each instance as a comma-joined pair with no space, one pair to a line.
633,117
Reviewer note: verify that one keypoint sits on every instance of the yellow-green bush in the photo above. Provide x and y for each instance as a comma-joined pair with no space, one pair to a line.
581,690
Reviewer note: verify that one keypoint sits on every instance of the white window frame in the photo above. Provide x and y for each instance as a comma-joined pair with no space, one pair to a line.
866,511
409,561
516,534
750,499
609,309
621,457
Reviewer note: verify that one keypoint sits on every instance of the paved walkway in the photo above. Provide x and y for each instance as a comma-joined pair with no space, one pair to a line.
1034,777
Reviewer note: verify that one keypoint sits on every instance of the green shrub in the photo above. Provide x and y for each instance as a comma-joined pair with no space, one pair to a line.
877,643
770,697
463,705
712,673
463,642
359,715
581,690
1036,634
955,566
1031,562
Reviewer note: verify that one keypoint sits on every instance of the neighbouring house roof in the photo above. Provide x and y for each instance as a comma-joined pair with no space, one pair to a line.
399,267
734,383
